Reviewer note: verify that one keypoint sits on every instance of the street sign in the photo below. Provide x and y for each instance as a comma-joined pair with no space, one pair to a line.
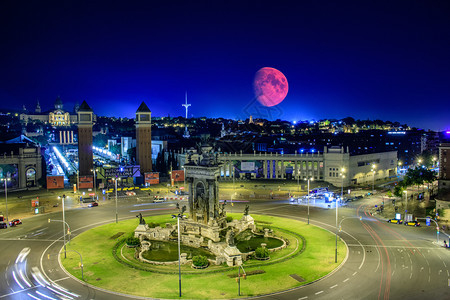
428,221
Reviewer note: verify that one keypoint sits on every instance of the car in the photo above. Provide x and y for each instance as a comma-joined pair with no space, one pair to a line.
92,204
3,225
395,221
158,200
412,223
15,222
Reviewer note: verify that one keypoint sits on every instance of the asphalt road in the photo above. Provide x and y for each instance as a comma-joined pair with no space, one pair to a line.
385,261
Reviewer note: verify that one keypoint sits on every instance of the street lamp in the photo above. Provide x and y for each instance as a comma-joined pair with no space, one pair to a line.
406,206
115,183
312,178
64,222
373,179
78,180
184,178
179,216
6,179
337,205
95,185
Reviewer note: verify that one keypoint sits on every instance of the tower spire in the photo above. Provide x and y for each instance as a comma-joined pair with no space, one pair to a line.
186,106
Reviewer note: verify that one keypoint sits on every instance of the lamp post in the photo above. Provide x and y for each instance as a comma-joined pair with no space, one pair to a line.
64,222
6,179
95,185
373,178
179,216
115,183
406,206
337,205
184,179
298,183
78,180
308,195
68,227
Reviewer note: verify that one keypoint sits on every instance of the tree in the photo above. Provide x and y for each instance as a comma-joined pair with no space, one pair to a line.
116,149
100,140
132,153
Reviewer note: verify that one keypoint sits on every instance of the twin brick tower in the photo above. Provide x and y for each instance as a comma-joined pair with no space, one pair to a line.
143,139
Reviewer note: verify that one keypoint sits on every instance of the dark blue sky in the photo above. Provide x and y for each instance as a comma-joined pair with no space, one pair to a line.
384,60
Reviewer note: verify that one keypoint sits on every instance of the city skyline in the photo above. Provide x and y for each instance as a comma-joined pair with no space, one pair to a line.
384,61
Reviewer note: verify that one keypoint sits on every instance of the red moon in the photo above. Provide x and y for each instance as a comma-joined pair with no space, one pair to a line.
271,86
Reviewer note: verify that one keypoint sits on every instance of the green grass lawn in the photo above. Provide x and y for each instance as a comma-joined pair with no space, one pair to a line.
103,270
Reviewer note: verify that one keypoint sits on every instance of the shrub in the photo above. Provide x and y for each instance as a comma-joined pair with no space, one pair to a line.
229,219
132,241
261,252
152,225
200,261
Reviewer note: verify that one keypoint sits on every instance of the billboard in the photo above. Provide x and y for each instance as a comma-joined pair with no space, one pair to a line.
119,172
178,175
151,178
55,182
247,166
86,182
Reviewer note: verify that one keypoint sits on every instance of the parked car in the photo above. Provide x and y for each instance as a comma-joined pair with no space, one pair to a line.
412,223
3,225
15,222
395,221
92,204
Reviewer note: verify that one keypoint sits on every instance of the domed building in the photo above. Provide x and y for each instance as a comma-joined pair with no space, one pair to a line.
56,117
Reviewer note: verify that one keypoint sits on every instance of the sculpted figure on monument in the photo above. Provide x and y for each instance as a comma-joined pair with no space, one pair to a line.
141,219
246,210
231,238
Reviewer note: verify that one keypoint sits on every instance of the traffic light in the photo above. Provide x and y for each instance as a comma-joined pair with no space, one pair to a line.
49,220
360,218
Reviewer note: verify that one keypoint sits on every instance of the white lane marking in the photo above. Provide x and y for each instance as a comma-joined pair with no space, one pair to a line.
354,273
34,297
393,246
303,298
17,281
319,292
393,273
429,278
448,275
360,244
332,287
345,280
410,276
45,296
444,264
379,259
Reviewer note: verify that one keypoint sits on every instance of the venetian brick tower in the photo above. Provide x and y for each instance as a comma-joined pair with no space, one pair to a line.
144,138
85,155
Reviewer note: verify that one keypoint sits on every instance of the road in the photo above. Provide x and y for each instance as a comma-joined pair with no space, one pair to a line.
385,261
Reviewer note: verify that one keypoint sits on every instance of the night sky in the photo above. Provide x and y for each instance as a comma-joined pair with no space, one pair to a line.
387,60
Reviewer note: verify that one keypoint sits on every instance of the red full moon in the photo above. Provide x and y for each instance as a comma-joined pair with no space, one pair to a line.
270,85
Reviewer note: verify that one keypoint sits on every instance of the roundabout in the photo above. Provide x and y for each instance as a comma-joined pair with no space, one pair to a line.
109,265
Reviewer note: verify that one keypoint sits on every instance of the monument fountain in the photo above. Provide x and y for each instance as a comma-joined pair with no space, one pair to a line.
206,223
